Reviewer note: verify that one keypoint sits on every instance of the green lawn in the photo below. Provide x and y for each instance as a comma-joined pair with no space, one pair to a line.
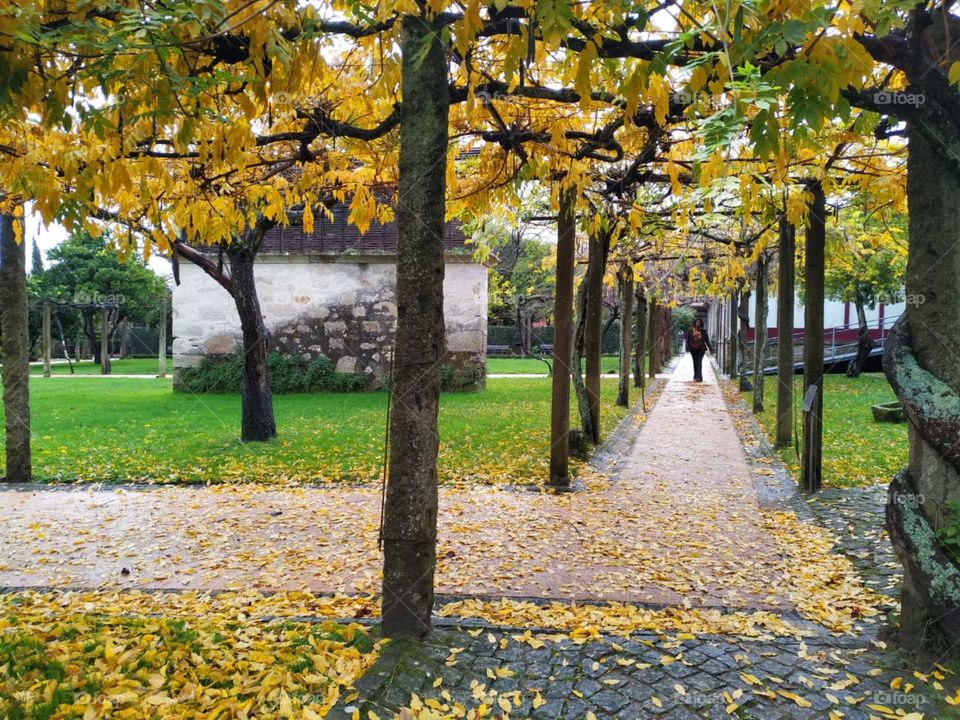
856,450
91,429
131,366
532,366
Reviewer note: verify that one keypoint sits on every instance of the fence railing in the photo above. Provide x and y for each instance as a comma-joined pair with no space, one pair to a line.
836,343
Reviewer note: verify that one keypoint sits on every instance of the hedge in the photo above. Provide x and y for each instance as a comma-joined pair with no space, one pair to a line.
507,335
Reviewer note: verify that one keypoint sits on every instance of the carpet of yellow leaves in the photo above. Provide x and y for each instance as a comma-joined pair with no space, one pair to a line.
168,655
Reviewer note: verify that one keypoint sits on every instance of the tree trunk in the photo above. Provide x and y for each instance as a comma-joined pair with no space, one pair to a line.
256,415
760,333
625,282
596,266
922,362
562,329
93,342
410,510
105,368
743,315
576,362
654,341
124,339
812,460
733,335
63,343
639,377
14,326
864,341
785,290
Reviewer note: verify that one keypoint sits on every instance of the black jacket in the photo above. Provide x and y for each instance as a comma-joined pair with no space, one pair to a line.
706,339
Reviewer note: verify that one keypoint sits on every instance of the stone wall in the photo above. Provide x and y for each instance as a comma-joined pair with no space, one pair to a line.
343,307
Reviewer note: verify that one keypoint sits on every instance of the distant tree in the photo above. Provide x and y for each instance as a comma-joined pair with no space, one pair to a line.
35,328
866,265
36,259
87,273
684,316
521,282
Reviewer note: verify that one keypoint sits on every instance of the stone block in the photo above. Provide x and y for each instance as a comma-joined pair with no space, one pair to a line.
347,364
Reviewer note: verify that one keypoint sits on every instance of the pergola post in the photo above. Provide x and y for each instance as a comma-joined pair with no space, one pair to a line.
655,340
162,337
104,340
785,292
732,336
46,339
812,459
760,332
562,344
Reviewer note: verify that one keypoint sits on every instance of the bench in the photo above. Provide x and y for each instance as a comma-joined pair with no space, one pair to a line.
498,349
546,349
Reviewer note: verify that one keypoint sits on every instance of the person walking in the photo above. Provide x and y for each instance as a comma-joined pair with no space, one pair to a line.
697,344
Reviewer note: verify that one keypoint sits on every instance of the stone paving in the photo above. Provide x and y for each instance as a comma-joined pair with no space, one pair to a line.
676,676
646,676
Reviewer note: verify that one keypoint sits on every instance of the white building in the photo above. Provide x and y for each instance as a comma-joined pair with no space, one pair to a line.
332,293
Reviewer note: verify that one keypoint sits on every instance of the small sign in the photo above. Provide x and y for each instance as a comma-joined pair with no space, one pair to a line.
810,397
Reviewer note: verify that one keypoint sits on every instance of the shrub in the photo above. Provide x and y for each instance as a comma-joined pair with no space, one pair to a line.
462,379
288,374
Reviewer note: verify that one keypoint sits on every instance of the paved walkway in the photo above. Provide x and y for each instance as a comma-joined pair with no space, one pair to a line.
680,524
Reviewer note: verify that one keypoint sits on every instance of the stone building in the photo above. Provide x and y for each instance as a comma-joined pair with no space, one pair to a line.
332,292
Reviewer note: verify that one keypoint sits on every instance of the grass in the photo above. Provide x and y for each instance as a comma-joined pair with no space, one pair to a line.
130,366
856,450
532,366
88,429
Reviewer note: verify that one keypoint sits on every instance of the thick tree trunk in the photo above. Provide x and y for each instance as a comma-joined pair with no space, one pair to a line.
625,283
812,459
864,341
760,334
14,326
733,335
922,361
410,510
785,290
639,377
256,416
654,341
743,315
596,266
562,330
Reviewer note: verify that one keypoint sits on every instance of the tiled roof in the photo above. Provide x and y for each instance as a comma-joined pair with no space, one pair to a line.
338,236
